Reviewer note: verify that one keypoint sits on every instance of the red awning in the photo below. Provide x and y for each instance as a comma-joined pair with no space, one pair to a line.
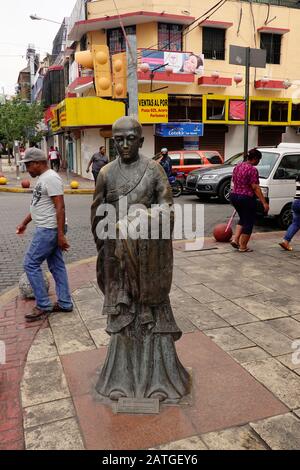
138,17
271,85
270,29
220,82
216,24
80,84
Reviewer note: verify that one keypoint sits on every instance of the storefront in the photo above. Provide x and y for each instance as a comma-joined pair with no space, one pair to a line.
86,125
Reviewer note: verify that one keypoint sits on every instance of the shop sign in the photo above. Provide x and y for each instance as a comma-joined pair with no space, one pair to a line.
153,108
179,129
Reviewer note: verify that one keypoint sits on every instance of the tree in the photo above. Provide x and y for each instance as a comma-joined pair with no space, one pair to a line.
19,121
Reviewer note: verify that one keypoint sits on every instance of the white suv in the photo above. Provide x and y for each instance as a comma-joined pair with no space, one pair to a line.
278,171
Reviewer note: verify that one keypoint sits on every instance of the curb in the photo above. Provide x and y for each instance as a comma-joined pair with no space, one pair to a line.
30,191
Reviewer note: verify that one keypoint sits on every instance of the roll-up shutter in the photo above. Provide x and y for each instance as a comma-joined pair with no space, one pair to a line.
269,136
213,139
172,143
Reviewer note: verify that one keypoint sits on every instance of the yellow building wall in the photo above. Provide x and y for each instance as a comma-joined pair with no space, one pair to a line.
242,33
100,8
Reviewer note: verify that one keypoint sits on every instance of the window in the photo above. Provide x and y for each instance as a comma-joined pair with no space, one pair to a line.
214,43
216,110
169,37
175,157
295,112
115,39
272,44
259,110
83,43
192,158
289,168
212,157
279,111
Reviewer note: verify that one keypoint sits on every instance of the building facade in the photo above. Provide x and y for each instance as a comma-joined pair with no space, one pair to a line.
192,39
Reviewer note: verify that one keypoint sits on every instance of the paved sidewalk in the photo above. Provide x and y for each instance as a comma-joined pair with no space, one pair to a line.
240,315
86,186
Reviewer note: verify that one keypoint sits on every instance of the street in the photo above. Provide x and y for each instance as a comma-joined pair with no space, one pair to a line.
14,207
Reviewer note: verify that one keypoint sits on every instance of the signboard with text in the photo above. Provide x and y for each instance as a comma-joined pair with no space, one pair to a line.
153,108
179,129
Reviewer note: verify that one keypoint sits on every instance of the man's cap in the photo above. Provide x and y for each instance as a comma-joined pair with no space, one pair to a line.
164,150
34,155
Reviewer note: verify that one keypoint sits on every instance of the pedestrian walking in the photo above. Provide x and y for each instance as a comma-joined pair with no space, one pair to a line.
295,225
54,158
58,158
166,161
98,161
245,190
47,211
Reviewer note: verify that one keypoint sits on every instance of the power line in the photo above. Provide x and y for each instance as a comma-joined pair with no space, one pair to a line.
216,7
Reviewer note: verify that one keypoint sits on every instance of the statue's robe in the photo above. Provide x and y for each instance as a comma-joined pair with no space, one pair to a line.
135,276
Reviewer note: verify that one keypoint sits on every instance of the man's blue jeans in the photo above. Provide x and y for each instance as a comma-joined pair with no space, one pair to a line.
44,247
295,225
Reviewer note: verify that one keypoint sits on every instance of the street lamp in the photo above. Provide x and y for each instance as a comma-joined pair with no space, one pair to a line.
36,17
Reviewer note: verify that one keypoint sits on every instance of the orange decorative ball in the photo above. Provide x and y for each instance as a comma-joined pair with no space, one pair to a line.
74,185
3,180
25,184
220,233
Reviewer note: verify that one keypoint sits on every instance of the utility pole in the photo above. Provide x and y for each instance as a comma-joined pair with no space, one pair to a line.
31,58
247,85
247,57
132,81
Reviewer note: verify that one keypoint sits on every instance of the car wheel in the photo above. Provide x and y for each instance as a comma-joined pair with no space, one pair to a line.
286,217
224,192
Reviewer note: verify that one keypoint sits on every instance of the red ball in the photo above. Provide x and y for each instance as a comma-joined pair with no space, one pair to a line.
220,233
25,184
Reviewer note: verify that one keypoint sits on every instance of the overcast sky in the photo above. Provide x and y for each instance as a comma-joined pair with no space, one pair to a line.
17,30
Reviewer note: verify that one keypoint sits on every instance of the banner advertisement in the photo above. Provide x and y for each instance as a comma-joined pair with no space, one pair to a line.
153,108
179,129
181,62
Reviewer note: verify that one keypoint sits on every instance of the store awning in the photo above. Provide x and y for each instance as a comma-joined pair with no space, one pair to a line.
81,84
86,112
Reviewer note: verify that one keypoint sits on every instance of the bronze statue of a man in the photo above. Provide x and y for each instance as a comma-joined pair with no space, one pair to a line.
135,276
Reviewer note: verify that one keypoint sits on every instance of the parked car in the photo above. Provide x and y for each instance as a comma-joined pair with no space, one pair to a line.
185,161
278,170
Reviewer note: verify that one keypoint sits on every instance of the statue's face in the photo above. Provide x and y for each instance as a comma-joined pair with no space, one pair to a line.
128,141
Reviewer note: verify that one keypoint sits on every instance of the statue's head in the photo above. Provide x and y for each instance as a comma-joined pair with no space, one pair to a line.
127,134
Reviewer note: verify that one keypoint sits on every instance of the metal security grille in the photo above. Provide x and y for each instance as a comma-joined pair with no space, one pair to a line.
214,43
272,44
116,40
169,37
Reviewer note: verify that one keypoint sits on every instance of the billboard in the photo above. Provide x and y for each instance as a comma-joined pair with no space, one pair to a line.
181,62
153,108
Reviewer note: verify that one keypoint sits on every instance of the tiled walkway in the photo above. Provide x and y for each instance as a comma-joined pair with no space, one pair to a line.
240,315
